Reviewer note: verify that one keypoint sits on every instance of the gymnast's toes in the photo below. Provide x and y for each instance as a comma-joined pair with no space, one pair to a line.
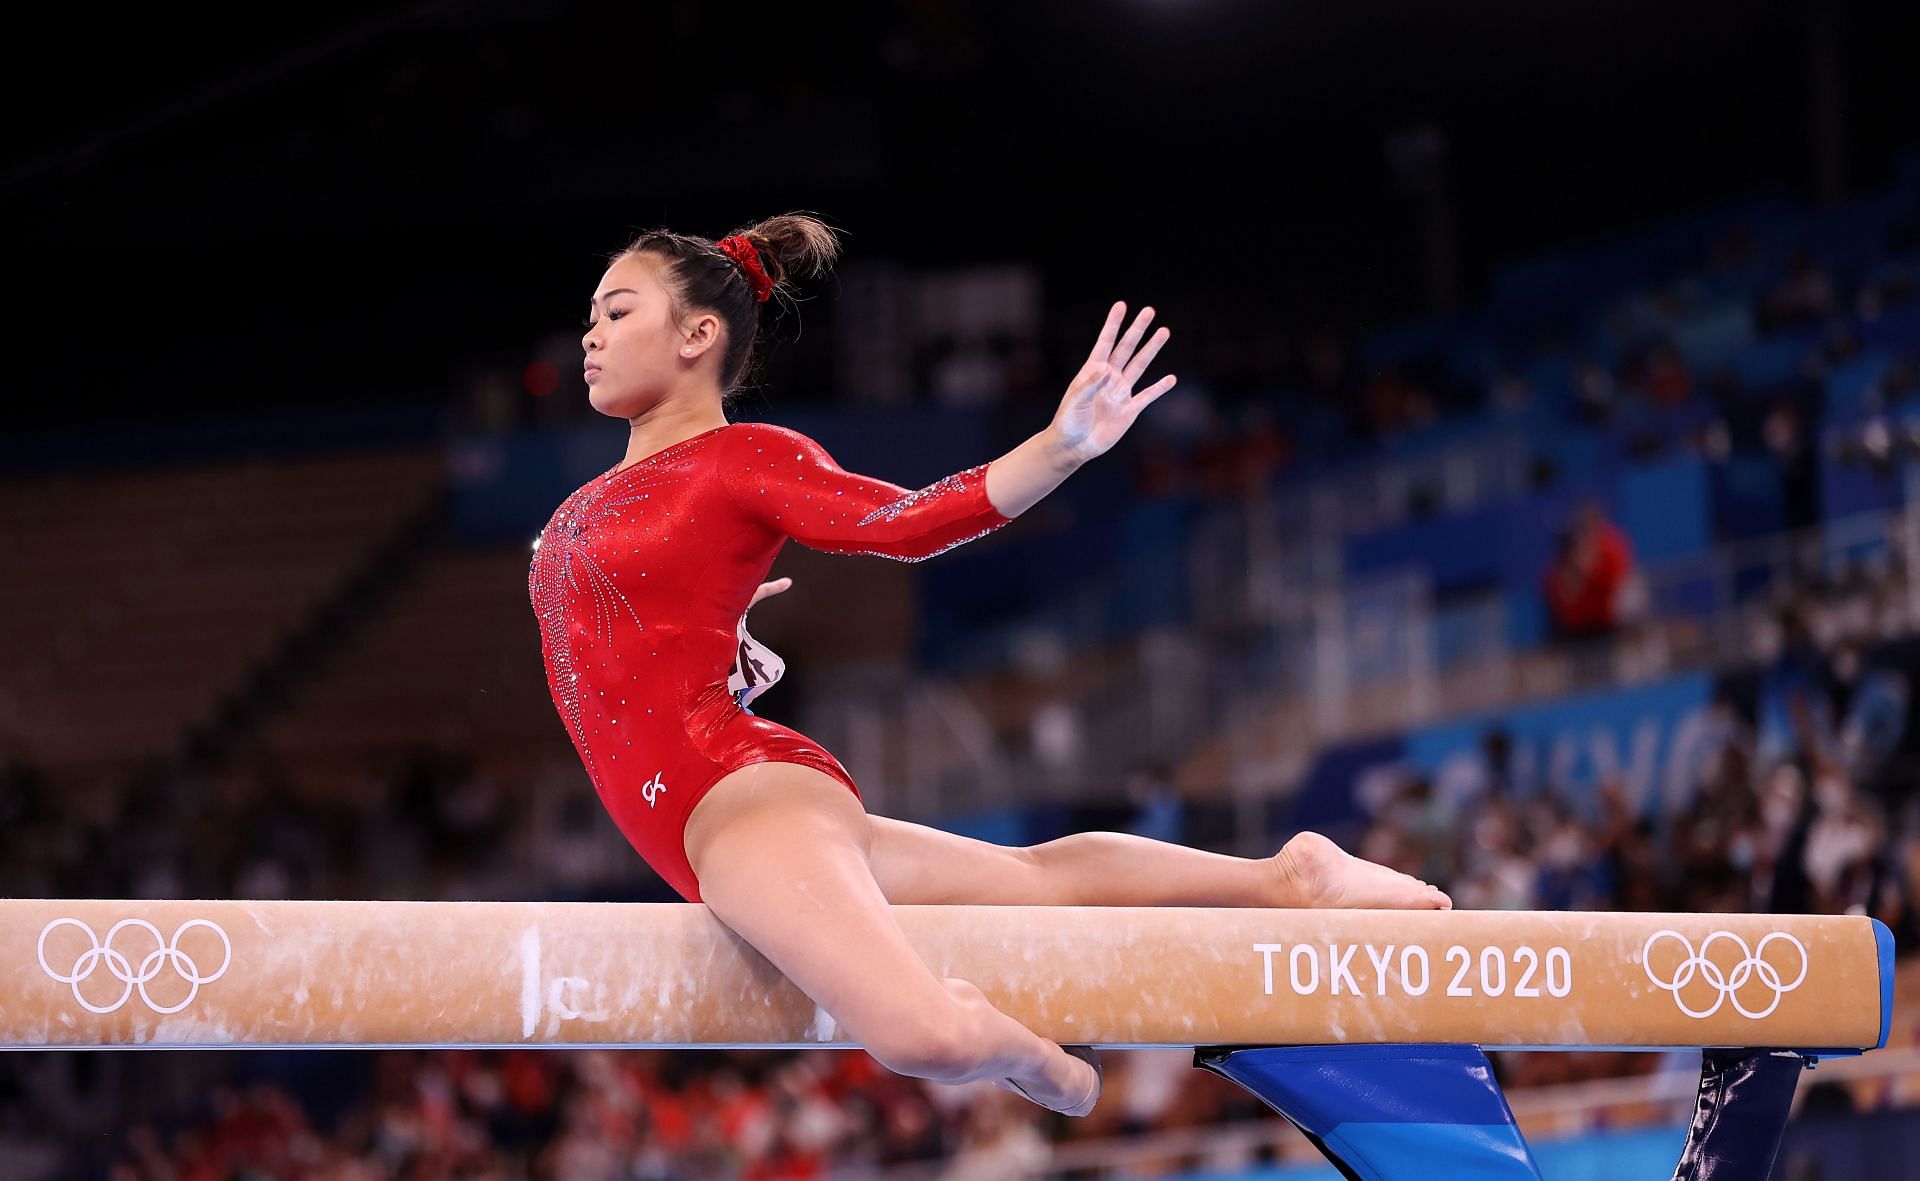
1092,1059
1315,872
1075,1095
1091,1092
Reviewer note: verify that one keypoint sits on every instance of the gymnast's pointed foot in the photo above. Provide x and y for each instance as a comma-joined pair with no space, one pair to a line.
1075,1096
1315,872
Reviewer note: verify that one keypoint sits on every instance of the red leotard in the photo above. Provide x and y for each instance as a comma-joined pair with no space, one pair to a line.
641,583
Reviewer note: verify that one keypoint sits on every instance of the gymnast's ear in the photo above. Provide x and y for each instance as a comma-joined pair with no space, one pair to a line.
702,333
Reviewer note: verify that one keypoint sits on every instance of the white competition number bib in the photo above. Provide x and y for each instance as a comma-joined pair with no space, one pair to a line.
755,666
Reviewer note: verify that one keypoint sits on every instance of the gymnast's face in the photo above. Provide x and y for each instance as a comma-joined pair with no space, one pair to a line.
639,355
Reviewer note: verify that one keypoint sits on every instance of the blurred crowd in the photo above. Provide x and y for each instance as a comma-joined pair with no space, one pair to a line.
1799,798
1313,395
601,1115
436,820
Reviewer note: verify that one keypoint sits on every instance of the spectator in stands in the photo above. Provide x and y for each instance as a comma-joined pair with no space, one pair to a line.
1394,404
1240,463
1496,751
1572,874
1840,343
1496,873
1795,707
1893,898
1788,808
1630,855
1593,393
1895,384
1158,471
1843,844
1784,435
1720,835
1429,821
1659,374
1510,394
1586,582
1805,295
998,1144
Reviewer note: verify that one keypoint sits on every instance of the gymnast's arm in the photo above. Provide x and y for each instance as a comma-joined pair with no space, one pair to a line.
788,482
785,481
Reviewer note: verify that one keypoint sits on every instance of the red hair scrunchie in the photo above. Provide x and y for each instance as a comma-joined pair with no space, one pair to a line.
742,251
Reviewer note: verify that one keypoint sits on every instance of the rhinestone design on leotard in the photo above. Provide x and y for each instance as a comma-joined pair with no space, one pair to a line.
942,487
566,559
912,558
946,486
641,581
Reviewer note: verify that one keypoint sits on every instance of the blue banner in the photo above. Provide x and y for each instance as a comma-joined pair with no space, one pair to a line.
1648,737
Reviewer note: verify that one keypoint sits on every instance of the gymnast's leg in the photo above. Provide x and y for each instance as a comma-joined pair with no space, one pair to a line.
914,863
781,852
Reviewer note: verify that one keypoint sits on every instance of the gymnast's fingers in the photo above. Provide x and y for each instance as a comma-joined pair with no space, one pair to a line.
1131,340
770,588
1138,365
1151,394
1103,347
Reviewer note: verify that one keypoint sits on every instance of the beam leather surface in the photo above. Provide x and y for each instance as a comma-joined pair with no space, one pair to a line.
200,973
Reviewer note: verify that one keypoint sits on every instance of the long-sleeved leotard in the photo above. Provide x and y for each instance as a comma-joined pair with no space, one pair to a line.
641,583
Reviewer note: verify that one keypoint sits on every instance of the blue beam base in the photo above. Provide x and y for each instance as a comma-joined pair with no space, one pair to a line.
1388,1113
1400,1112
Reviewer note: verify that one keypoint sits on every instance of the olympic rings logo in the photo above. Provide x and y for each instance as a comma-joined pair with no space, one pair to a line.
165,953
1727,982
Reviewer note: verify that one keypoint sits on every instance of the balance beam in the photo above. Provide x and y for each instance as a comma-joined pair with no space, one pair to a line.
1320,1002
174,974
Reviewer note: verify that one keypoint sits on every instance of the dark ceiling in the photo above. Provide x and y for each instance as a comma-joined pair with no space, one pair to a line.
303,206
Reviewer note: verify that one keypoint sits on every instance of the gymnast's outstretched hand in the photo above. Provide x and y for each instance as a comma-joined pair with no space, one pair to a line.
1100,404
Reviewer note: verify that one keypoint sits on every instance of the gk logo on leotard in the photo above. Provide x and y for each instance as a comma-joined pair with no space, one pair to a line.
165,954
652,788
1726,982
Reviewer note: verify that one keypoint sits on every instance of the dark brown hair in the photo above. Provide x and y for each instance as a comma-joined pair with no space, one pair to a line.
700,277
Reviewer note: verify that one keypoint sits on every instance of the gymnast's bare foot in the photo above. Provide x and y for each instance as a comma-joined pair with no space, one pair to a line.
1315,872
1074,1095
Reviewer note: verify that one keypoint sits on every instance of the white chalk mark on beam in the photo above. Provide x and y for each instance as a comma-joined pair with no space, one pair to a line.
529,981
823,1025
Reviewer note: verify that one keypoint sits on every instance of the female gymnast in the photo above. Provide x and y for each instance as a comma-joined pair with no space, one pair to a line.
641,582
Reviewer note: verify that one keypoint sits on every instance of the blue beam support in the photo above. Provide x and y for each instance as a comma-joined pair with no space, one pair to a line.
1388,1113
1435,1112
